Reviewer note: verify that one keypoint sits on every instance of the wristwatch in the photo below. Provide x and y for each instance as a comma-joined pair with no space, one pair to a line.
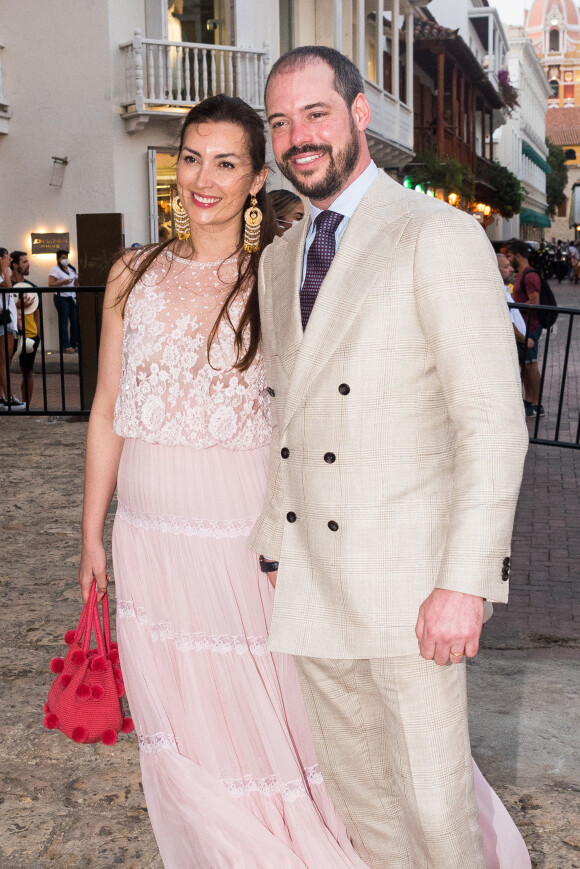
267,566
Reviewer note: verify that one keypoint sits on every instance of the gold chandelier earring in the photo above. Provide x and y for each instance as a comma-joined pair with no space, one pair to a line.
252,219
180,219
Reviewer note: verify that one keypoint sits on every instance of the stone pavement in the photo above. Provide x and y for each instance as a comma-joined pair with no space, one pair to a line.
69,806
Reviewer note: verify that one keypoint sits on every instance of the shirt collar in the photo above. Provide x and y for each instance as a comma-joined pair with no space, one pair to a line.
350,198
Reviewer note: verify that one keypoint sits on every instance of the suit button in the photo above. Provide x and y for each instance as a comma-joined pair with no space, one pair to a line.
344,389
270,391
291,517
284,452
333,525
329,458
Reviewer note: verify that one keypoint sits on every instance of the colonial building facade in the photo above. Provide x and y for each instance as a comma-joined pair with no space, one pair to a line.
93,128
521,143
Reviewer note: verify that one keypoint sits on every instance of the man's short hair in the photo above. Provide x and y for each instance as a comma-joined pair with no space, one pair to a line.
348,81
16,256
519,248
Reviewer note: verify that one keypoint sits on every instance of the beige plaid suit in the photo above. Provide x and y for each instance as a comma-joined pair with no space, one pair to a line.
399,412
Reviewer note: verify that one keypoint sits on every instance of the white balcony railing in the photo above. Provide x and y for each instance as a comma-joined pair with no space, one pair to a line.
160,74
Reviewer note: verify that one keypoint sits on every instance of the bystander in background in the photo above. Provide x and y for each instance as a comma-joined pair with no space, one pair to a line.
527,291
8,333
518,322
63,278
288,208
29,338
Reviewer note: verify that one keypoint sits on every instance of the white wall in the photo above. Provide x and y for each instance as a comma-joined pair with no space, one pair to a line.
66,103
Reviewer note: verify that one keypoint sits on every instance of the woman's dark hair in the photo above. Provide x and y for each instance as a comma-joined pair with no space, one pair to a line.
232,110
283,201
3,251
60,253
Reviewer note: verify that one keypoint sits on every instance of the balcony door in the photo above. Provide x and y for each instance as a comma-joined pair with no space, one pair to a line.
203,21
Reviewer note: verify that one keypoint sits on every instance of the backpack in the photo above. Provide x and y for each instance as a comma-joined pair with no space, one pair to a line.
546,319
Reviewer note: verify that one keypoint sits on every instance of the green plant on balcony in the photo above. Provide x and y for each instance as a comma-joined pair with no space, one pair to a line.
507,92
450,176
509,194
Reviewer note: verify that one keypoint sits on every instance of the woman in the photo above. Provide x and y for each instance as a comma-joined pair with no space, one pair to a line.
180,424
63,277
8,334
229,770
288,208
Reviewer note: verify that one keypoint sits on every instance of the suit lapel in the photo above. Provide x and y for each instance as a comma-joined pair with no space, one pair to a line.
370,240
285,285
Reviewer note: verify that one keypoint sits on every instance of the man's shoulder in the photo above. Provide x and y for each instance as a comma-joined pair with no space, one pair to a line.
385,193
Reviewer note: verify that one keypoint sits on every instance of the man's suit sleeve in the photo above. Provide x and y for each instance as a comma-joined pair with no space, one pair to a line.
461,305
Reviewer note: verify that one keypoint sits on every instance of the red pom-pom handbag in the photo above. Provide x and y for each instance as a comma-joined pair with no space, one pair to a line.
84,700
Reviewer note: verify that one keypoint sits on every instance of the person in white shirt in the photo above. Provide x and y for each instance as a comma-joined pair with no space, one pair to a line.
63,278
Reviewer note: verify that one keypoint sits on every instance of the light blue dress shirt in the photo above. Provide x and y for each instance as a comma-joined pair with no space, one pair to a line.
344,204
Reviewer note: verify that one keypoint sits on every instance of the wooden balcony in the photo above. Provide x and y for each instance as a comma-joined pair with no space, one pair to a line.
164,79
426,141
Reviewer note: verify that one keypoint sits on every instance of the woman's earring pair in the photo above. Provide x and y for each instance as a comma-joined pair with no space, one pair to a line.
252,219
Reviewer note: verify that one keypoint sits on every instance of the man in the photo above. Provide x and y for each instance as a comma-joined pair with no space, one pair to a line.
518,321
396,461
29,328
527,291
20,268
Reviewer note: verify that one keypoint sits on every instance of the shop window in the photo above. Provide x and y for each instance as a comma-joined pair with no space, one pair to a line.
162,189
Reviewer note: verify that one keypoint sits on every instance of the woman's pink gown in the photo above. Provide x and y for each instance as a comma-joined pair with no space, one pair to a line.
229,769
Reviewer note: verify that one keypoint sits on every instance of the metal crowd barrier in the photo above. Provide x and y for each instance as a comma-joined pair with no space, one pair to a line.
66,383
558,390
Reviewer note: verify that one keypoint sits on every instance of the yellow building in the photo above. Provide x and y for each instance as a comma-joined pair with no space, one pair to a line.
554,28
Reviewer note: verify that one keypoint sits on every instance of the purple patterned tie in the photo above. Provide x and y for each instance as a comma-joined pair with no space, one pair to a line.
320,255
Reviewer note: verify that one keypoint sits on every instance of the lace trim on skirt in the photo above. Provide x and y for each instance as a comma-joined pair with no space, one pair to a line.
242,787
221,644
216,528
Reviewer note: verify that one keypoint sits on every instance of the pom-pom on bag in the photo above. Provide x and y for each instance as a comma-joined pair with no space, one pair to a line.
84,701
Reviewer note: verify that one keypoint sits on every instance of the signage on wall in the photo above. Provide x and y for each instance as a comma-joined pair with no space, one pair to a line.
49,242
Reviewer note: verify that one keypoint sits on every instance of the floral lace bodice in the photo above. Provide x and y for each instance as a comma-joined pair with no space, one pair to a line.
169,393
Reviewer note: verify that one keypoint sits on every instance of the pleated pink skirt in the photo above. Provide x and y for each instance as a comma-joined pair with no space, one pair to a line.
228,765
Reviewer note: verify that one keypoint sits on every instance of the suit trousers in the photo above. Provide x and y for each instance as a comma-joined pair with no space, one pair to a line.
393,745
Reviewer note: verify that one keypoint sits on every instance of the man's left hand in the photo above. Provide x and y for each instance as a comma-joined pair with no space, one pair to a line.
449,626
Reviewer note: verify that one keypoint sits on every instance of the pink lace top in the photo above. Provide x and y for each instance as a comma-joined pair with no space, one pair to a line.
169,393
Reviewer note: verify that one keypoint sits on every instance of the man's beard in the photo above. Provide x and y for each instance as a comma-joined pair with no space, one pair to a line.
337,173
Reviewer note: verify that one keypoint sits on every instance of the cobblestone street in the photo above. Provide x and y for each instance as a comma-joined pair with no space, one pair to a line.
69,806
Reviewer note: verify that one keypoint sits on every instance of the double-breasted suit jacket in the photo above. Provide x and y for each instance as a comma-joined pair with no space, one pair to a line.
399,434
